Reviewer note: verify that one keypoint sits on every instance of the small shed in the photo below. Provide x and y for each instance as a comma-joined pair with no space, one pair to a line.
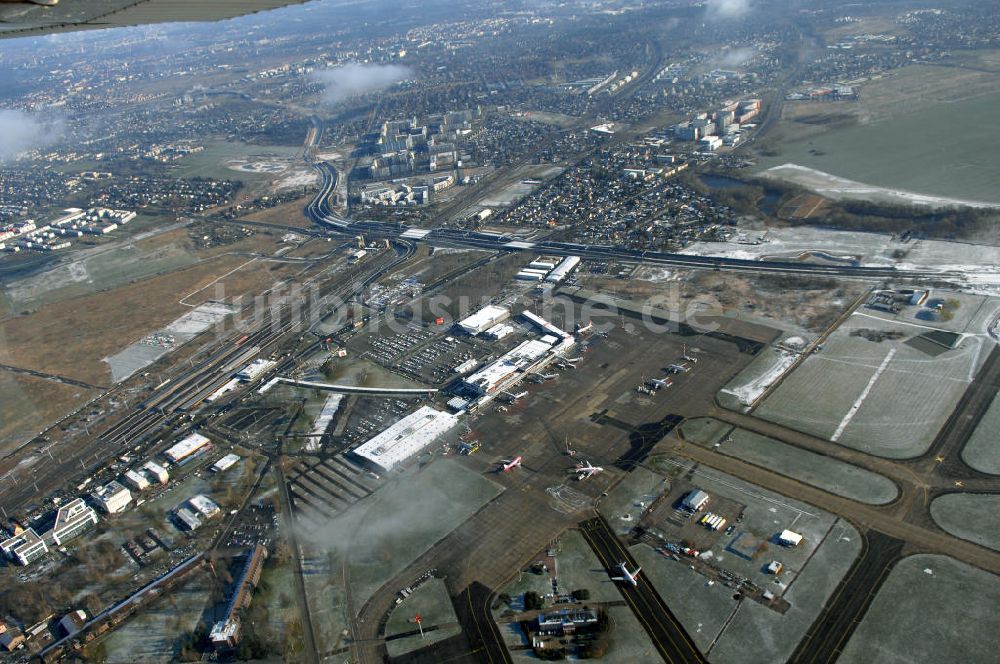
789,538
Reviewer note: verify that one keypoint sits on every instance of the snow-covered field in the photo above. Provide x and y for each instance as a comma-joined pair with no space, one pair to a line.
750,391
297,179
838,188
975,266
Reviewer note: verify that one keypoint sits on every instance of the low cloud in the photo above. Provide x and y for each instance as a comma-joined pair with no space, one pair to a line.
736,57
354,79
21,131
726,9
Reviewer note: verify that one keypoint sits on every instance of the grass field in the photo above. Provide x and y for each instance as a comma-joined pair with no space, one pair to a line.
72,337
621,506
27,403
704,430
758,635
431,602
931,609
702,609
820,471
971,516
982,451
213,161
886,398
151,636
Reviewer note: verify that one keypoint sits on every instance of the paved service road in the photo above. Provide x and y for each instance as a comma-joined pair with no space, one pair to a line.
665,631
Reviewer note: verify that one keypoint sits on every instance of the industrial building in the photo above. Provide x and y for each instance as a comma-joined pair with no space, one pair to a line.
113,497
491,377
136,480
72,519
225,633
187,518
484,319
25,546
562,270
405,438
11,638
499,331
73,622
225,463
205,506
187,447
156,471
695,500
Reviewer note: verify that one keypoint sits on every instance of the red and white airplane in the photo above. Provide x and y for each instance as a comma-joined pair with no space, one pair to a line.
508,466
585,470
630,577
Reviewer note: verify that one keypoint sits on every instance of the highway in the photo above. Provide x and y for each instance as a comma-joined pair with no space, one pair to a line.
320,212
665,630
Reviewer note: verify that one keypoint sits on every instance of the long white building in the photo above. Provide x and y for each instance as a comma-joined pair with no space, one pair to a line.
406,437
562,270
186,447
495,374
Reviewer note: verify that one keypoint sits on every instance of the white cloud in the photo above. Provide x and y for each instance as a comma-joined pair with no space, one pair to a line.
736,57
726,9
356,78
21,131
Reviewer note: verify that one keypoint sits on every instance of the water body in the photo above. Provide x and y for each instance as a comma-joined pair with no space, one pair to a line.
948,150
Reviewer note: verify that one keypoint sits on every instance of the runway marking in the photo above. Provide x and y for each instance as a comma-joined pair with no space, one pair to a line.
864,395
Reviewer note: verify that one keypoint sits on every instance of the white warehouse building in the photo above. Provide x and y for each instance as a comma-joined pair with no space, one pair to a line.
406,437
484,319
186,447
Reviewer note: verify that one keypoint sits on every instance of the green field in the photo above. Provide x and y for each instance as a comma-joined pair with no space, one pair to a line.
982,451
971,516
902,395
931,609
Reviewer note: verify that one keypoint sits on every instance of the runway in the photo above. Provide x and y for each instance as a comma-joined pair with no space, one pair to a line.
665,630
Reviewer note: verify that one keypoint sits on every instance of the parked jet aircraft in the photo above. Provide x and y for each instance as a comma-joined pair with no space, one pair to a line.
509,465
585,470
